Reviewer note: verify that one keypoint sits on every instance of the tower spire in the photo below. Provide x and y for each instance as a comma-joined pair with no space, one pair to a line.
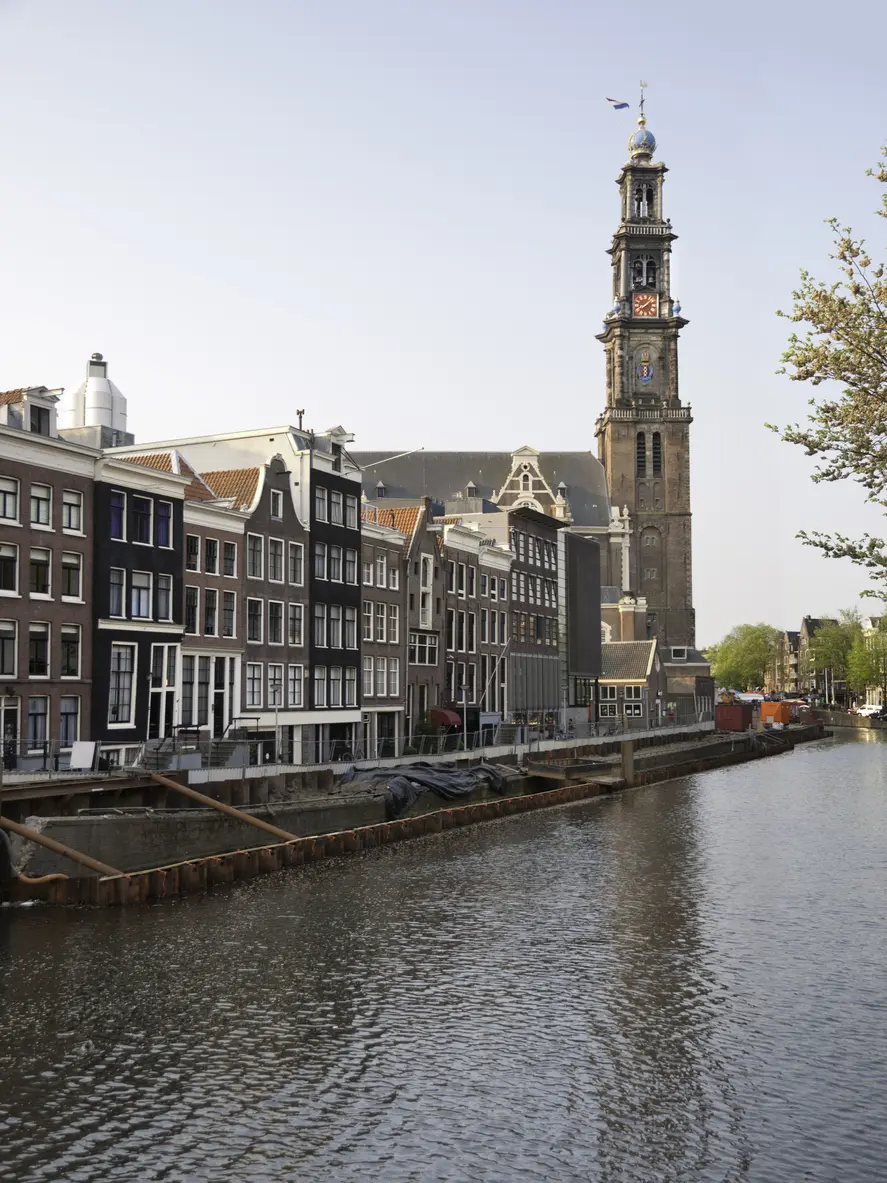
643,88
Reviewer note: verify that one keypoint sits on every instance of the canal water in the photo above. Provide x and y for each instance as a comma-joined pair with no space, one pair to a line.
684,983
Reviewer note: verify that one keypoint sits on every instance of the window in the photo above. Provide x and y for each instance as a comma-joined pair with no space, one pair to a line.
117,506
472,577
187,690
451,628
472,682
9,499
320,508
393,623
275,622
163,524
460,581
39,572
503,589
393,677
472,632
69,721
368,572
367,620
254,613
336,516
255,556
679,654
350,628
380,622
335,563
484,624
294,686
657,454
394,572
335,627
451,575
351,511
192,604
8,649
483,584
211,556
351,566
210,612
229,558
295,624
275,560
163,597
608,706
335,686
192,552
423,649
8,568
425,592
253,684
460,632
71,576
320,626
381,570
320,560
141,520
493,630
320,685
350,686
641,454
275,685
117,592
381,677
277,505
40,420
296,564
140,595
41,505
70,651
120,696
494,589
229,614
634,693
38,710
368,677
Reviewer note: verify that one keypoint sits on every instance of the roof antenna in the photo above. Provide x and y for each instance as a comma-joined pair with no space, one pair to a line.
300,414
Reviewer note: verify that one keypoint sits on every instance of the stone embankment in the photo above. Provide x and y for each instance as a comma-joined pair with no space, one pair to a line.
171,851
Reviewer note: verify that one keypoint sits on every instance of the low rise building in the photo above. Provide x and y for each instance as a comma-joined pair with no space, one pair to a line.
383,640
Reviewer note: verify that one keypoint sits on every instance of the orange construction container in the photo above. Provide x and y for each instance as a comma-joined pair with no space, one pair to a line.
776,712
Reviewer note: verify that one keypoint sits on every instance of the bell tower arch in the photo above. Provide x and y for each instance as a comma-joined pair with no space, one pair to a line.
643,433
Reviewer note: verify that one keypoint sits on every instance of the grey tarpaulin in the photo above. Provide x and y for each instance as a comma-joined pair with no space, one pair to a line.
406,783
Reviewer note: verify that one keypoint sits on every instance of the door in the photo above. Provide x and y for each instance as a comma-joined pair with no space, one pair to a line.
219,720
9,730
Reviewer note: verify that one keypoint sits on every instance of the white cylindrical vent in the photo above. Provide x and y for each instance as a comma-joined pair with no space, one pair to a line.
98,403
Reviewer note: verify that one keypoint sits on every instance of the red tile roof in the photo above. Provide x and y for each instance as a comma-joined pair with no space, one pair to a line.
236,484
162,461
10,397
198,490
403,518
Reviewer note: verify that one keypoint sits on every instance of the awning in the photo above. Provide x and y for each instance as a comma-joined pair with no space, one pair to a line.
444,717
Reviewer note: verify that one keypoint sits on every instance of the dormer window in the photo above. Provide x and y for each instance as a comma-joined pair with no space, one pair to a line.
525,481
679,654
381,491
471,489
40,420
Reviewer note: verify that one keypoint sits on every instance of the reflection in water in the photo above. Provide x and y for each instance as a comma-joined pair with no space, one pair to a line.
684,983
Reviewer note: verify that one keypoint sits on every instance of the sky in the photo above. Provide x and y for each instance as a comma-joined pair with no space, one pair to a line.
394,214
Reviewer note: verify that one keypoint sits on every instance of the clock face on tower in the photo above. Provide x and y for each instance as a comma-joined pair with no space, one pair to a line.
646,304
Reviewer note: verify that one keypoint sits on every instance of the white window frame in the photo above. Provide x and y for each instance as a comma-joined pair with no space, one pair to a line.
261,538
277,505
41,677
192,570
321,500
283,559
349,686
352,518
283,622
350,559
78,531
319,622
122,537
260,639
369,618
225,544
380,631
16,493
196,630
275,680
12,674
216,630
47,595
381,569
13,592
369,685
121,615
206,566
381,677
318,678
394,677
332,551
368,569
320,559
258,680
393,624
290,614
71,677
336,498
331,681
352,621
78,599
171,545
75,698
393,573
295,687
133,588
292,549
233,634
45,526
128,722
150,500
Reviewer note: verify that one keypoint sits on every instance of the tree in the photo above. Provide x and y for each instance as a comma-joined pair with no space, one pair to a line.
834,640
860,667
845,342
742,658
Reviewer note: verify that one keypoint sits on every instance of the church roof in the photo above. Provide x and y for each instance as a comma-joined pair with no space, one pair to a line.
443,475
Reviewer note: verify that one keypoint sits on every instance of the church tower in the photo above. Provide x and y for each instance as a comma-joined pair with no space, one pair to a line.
644,432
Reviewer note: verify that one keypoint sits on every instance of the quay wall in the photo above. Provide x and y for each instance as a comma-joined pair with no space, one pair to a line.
842,719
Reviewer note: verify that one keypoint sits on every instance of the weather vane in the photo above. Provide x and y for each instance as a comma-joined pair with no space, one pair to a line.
643,88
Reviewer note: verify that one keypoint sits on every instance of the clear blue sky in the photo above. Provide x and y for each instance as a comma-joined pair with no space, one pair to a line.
394,214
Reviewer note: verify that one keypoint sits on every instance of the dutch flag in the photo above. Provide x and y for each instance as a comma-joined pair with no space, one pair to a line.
617,106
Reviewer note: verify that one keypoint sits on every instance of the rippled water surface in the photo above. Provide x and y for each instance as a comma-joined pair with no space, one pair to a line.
683,983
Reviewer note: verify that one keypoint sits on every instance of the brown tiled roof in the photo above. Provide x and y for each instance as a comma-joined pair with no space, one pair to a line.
402,518
162,461
450,519
10,397
236,484
626,661
198,490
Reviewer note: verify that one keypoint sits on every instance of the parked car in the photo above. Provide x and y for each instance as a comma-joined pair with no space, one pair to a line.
868,709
